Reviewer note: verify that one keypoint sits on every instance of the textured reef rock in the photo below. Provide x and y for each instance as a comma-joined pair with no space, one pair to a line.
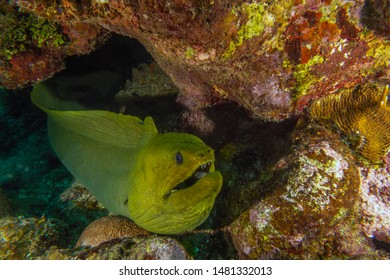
271,57
314,211
40,238
375,196
137,248
33,48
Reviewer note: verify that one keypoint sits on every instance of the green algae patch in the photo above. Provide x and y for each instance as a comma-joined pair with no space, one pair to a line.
257,19
379,50
189,53
329,12
44,32
303,76
22,31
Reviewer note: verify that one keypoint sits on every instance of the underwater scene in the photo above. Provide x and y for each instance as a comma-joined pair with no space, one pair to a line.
194,130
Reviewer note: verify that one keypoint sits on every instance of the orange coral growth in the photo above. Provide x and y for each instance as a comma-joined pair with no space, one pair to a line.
306,34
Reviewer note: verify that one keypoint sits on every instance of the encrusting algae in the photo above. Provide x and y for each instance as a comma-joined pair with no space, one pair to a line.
362,110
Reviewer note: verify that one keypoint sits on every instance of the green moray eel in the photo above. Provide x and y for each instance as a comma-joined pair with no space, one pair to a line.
165,182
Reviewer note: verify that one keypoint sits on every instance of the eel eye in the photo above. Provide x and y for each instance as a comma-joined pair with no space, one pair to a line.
179,158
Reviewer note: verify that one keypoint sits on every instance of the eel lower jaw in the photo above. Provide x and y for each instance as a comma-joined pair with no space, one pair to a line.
198,174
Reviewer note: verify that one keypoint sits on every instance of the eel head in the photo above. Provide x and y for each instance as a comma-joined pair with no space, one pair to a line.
175,184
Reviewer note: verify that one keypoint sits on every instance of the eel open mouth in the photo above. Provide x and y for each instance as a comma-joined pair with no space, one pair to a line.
198,174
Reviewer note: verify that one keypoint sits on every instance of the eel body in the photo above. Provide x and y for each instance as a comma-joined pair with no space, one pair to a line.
165,182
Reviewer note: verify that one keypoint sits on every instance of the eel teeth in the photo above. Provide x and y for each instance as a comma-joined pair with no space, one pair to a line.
205,166
202,170
199,173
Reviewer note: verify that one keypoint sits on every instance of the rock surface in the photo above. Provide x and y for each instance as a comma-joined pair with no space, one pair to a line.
375,196
142,248
314,210
271,57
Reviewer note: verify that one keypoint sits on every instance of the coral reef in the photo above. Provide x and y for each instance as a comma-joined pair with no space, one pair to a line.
363,111
271,57
287,194
313,210
107,228
15,39
292,194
